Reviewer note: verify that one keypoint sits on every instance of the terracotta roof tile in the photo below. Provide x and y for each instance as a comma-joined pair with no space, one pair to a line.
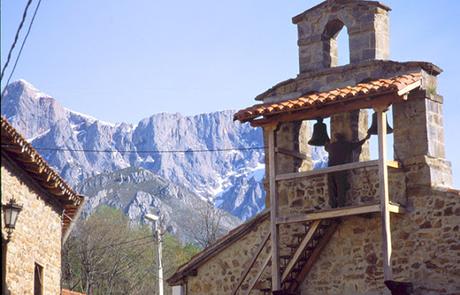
370,88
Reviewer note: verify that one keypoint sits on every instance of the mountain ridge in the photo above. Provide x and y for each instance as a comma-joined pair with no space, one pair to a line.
46,123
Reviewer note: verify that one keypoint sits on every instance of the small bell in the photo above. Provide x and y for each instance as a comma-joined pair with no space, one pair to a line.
374,128
319,137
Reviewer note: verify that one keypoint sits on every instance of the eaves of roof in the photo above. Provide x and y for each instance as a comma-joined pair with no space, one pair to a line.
16,148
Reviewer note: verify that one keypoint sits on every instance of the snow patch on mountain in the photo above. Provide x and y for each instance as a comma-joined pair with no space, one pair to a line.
231,178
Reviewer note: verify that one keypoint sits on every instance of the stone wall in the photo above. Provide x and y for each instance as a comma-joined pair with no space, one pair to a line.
343,76
367,25
311,193
426,250
425,244
419,137
426,238
37,237
220,274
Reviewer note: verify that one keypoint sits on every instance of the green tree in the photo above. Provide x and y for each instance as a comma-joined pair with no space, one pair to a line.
107,254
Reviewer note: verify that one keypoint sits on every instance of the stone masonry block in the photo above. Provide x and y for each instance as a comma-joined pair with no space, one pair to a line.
367,27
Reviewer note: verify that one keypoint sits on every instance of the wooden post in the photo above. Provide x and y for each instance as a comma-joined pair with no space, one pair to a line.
384,195
274,228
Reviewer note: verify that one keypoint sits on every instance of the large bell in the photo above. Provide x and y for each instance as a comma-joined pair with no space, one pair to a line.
319,137
374,128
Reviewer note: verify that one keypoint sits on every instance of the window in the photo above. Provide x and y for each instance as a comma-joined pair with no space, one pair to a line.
38,279
336,47
342,47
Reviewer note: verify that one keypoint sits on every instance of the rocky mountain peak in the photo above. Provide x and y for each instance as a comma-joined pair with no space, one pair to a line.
162,143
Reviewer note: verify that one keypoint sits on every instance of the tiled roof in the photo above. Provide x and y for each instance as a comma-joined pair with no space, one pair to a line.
25,156
398,85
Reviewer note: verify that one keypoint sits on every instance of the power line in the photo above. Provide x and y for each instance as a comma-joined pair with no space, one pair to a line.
16,37
22,46
144,151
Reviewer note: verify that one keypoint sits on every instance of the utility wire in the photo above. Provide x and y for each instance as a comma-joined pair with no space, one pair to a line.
144,151
22,47
16,37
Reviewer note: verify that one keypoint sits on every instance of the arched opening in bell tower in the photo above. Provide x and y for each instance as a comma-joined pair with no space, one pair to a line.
336,45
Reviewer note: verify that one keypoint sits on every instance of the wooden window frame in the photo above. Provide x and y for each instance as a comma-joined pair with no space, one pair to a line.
40,273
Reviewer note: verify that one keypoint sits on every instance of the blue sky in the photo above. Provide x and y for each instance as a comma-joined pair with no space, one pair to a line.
123,60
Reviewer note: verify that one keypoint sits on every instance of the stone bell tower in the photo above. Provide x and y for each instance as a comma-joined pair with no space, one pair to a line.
396,229
367,24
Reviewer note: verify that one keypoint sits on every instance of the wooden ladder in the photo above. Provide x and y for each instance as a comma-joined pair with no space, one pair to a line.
304,256
304,252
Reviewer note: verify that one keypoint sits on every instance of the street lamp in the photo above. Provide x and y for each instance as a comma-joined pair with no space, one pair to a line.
157,236
11,212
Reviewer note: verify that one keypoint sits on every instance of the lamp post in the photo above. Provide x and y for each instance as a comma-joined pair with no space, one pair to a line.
10,214
157,235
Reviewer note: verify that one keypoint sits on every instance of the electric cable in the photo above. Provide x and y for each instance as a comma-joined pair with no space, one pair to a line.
22,47
145,151
16,37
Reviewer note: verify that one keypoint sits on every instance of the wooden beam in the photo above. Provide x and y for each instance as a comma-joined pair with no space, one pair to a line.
72,224
340,212
25,158
13,149
315,254
409,88
251,263
42,177
291,153
274,228
343,167
396,208
311,231
393,164
349,166
50,185
33,167
343,106
331,213
384,195
258,275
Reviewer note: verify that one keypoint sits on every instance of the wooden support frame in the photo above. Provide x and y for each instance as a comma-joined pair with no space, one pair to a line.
291,153
274,227
340,212
384,193
343,167
259,274
251,263
316,253
311,231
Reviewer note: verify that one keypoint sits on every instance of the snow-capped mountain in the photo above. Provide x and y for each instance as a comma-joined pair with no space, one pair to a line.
88,147
47,124
136,192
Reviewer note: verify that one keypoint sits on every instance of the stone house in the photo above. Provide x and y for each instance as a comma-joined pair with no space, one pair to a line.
398,231
31,251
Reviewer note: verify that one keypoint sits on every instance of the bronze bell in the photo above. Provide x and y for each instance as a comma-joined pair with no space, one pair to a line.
374,128
319,137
